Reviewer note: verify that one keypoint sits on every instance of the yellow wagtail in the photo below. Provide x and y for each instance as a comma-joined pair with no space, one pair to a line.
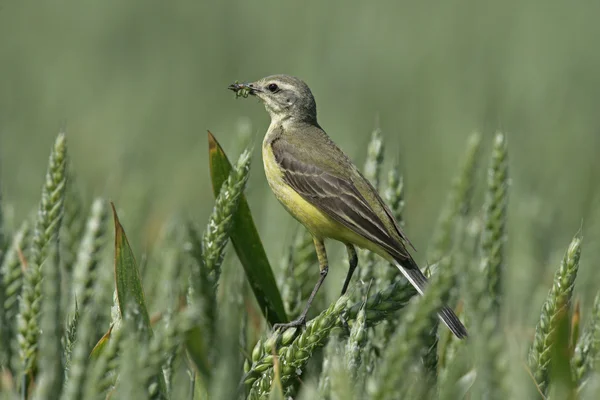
319,185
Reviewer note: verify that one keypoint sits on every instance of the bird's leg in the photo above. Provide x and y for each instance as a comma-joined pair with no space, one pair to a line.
324,267
353,262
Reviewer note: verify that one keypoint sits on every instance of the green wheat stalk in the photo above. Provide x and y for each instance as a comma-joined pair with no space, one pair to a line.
383,303
394,198
3,235
171,281
70,337
336,382
85,270
294,357
300,271
355,345
408,340
386,275
586,356
102,374
50,351
458,201
372,167
484,278
331,361
72,225
89,253
372,171
215,238
448,237
377,307
557,301
12,282
130,382
451,351
169,293
4,335
227,368
45,234
163,343
493,236
216,235
81,328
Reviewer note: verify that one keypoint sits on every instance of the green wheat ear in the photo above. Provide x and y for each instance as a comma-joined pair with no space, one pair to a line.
586,356
394,198
3,249
216,235
85,283
299,272
336,381
386,275
493,236
557,302
44,236
209,252
372,170
12,277
458,202
102,373
355,347
72,225
294,356
484,280
409,338
51,372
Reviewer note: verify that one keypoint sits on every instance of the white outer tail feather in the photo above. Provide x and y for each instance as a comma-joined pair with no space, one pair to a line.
408,278
419,281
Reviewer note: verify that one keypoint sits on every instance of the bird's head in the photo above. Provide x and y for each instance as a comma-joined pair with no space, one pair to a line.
284,97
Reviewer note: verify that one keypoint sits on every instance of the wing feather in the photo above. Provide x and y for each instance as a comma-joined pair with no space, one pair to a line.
338,197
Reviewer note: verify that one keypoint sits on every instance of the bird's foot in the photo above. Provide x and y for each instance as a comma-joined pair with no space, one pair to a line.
299,322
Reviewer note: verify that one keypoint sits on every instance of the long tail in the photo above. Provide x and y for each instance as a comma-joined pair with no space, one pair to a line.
414,275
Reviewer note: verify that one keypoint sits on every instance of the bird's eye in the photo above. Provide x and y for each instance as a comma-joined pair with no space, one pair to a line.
272,87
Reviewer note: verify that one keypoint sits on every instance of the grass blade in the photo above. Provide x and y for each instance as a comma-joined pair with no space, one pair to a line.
127,276
246,241
129,284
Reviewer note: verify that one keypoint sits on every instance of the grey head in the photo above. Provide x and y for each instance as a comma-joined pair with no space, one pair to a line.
284,97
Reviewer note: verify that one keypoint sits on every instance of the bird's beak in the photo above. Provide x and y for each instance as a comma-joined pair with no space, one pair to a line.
244,89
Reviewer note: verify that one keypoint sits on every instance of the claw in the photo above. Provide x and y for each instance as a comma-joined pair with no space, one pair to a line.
300,322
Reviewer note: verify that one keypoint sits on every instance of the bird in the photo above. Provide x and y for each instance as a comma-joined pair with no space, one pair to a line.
319,185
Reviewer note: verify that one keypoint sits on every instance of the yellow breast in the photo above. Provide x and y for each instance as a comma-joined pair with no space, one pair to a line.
308,215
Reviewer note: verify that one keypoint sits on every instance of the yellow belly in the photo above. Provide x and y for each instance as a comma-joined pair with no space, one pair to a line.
318,223
308,215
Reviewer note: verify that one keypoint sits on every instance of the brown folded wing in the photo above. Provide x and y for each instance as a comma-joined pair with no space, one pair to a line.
338,197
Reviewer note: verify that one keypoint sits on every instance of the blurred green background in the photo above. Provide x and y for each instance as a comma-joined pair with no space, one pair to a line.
138,83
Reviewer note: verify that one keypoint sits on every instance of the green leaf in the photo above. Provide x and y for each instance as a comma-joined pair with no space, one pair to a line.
101,345
246,241
127,275
197,351
129,284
